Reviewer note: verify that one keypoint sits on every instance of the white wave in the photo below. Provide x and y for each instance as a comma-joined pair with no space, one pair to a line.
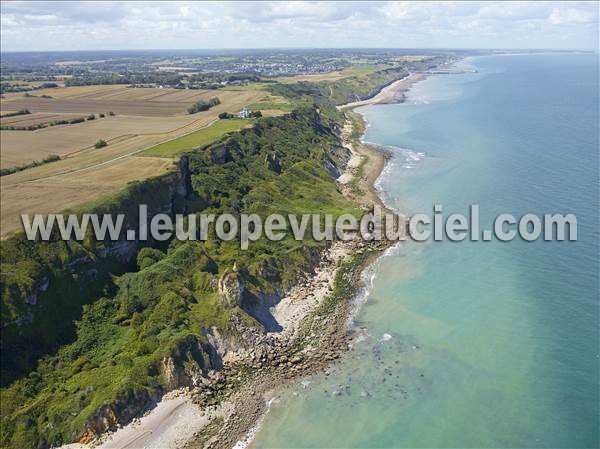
244,443
385,337
417,100
411,158
359,336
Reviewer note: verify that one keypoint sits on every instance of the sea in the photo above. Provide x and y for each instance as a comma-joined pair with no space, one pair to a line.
473,344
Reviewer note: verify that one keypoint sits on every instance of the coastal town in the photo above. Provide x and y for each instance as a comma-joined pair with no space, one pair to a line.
156,69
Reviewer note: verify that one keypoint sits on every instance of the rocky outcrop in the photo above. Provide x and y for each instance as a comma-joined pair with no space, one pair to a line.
122,411
231,288
41,287
219,155
186,365
189,364
103,420
336,160
273,162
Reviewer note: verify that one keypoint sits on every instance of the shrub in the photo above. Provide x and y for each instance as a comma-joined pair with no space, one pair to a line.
51,158
17,168
13,114
91,117
101,143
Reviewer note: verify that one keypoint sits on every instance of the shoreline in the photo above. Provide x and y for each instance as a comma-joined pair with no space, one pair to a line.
390,94
335,338
230,413
366,166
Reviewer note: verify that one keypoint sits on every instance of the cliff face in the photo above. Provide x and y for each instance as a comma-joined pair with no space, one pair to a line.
187,365
193,362
197,363
194,309
336,159
74,272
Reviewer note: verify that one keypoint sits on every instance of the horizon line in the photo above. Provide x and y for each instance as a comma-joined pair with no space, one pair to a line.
588,50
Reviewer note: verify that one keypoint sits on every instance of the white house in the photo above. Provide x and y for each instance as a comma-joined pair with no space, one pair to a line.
244,113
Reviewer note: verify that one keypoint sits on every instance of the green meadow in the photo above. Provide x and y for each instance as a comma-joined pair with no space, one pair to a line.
197,139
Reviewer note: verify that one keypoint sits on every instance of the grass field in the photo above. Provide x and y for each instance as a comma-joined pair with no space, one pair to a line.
272,105
355,70
251,86
196,139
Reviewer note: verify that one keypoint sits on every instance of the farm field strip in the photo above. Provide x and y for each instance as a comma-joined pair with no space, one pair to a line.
23,146
85,173
19,147
93,106
143,147
67,191
34,119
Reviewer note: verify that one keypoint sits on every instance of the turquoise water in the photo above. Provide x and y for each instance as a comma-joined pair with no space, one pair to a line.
474,344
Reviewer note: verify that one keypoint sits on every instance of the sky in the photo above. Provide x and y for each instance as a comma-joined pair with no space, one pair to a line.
73,25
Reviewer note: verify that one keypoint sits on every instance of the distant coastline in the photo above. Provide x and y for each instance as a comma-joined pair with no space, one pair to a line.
390,94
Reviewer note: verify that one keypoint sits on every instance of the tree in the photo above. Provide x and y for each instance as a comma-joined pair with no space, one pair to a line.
149,256
203,105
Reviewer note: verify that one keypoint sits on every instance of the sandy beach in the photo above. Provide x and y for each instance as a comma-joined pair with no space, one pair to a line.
393,93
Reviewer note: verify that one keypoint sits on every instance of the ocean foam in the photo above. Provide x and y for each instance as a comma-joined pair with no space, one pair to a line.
244,443
385,337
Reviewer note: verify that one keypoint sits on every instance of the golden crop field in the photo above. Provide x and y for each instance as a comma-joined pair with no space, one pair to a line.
34,119
85,172
138,111
57,193
19,147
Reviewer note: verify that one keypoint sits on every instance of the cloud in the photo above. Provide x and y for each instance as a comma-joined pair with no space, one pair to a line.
573,16
136,25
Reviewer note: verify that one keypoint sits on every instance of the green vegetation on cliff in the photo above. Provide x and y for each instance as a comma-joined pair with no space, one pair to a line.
129,323
342,91
92,331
